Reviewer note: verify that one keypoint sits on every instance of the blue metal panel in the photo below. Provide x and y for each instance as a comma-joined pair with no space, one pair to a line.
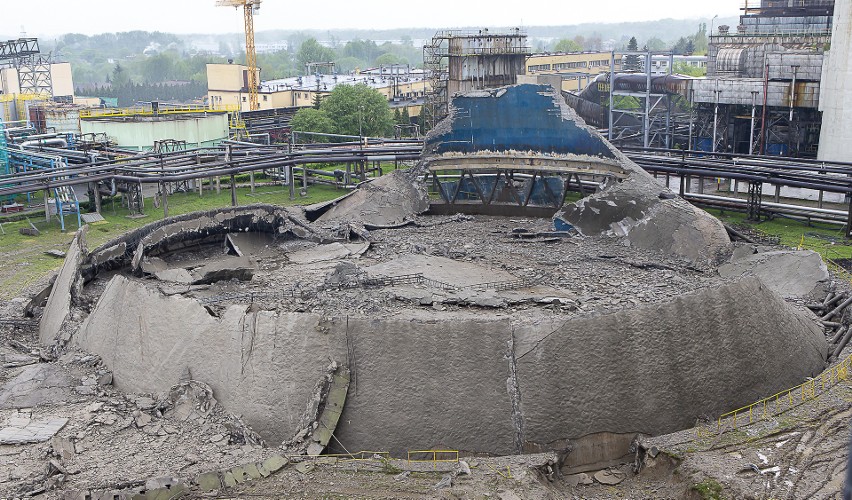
4,153
777,148
703,144
522,118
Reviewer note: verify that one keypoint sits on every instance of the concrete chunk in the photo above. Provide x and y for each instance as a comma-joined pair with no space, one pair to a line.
240,268
36,431
274,463
209,481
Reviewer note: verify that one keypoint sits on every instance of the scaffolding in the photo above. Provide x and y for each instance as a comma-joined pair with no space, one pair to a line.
34,75
33,67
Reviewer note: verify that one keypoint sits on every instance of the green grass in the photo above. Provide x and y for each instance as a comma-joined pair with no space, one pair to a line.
708,489
826,239
22,258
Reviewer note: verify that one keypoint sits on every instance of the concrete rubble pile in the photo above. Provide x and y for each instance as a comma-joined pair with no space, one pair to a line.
245,334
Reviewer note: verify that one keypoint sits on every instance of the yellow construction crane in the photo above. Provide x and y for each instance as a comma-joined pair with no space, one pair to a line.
249,6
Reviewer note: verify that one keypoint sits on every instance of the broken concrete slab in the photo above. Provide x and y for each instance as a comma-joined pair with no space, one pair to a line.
257,245
452,272
178,275
743,251
153,265
35,431
609,477
239,268
389,200
633,211
209,481
790,273
319,253
45,383
357,249
330,397
59,302
230,242
275,463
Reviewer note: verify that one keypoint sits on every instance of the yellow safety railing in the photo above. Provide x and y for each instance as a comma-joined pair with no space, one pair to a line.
787,399
162,110
838,270
446,456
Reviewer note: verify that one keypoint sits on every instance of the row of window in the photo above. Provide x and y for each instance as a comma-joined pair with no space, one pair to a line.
568,65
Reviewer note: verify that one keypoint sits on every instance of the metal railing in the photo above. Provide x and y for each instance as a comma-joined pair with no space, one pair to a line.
502,285
785,400
162,110
437,457
838,270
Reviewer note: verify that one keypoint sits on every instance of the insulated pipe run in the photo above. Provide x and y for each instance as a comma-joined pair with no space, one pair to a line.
830,302
837,309
838,335
45,142
842,344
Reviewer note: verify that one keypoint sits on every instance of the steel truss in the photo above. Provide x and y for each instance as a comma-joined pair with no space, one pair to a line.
508,187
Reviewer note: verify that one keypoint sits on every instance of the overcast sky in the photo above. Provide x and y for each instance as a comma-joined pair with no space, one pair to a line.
53,17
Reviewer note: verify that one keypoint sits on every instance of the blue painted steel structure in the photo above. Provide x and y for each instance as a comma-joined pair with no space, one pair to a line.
511,119
4,157
19,161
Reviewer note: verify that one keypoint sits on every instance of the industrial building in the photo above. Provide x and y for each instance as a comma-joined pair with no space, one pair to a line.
461,61
28,77
762,90
140,129
227,86
578,69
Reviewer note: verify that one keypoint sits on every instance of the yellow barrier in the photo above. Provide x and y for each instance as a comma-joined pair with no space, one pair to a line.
434,460
163,110
787,399
838,270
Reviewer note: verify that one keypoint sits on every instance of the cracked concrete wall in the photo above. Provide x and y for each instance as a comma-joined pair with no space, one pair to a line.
789,273
656,369
59,302
260,364
424,384
461,380
648,215
195,228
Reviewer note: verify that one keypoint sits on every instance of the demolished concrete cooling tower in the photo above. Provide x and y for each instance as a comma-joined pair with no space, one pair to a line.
452,332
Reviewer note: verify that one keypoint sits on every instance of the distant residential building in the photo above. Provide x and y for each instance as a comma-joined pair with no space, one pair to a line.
227,85
660,64
577,69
